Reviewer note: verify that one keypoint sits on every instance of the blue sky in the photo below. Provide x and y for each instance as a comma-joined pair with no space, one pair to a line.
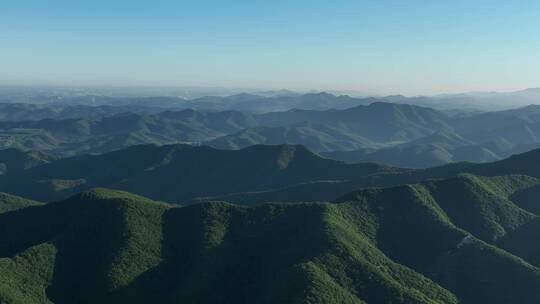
386,47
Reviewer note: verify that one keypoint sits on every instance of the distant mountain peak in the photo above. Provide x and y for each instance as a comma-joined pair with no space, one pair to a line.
245,96
320,94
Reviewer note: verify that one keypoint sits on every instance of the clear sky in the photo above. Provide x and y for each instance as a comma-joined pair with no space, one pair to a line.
379,46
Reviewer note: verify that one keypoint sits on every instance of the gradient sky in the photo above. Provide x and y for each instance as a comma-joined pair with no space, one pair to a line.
385,47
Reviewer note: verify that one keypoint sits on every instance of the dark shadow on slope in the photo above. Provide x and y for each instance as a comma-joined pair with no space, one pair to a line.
220,253
528,199
86,250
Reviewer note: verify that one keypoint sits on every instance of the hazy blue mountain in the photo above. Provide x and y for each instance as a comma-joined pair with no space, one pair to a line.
340,129
393,133
483,101
479,138
83,135
328,130
440,148
25,111
517,126
317,137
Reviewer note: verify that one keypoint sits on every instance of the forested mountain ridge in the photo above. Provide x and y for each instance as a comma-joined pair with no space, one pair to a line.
184,173
403,244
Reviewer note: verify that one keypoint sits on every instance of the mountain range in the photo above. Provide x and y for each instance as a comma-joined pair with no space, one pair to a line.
85,135
261,101
411,136
175,173
181,205
462,239
185,173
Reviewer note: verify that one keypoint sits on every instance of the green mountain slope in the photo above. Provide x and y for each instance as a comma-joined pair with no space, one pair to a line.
385,245
482,205
397,219
138,251
10,202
